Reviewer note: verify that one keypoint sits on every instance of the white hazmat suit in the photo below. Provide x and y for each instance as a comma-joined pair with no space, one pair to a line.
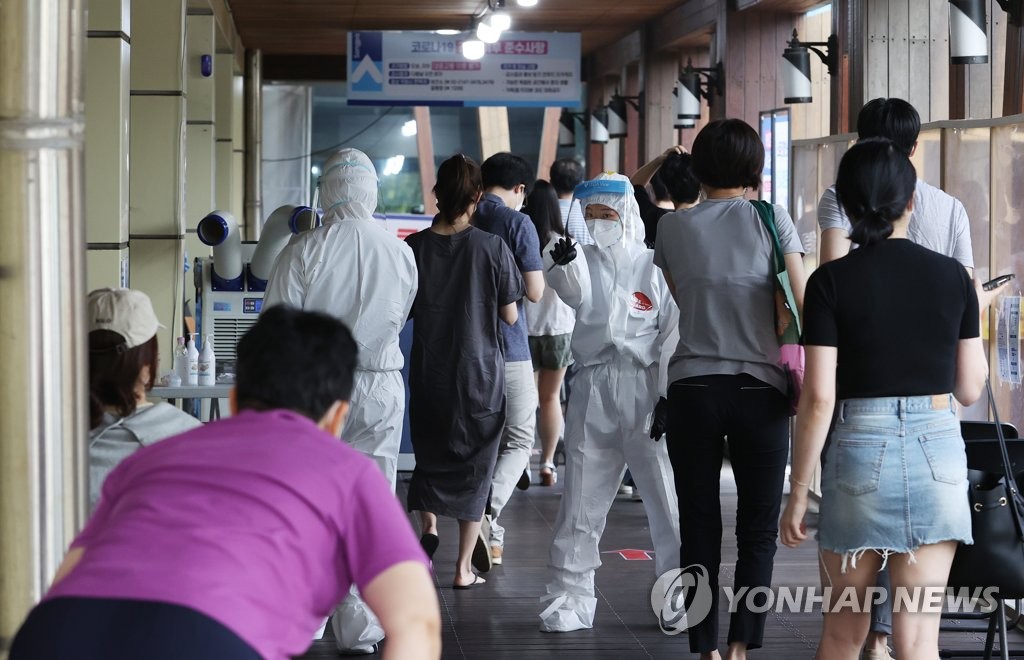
624,314
355,270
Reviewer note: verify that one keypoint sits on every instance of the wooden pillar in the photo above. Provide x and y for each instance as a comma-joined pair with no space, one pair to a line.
425,153
848,23
494,135
1013,75
659,104
548,142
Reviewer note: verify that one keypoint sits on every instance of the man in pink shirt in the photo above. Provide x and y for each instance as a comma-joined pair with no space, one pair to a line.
237,539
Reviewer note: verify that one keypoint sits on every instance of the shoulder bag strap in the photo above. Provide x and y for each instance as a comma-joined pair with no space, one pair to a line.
1011,482
767,214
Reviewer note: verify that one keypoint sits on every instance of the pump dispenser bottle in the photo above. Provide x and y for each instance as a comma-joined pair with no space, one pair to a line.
207,363
193,361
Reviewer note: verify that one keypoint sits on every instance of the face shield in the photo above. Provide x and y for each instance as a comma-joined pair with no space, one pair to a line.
610,210
348,187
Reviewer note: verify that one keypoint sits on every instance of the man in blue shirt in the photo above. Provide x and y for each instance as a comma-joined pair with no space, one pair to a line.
506,179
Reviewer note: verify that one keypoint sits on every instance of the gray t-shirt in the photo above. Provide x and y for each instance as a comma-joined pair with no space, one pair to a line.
938,222
117,438
718,256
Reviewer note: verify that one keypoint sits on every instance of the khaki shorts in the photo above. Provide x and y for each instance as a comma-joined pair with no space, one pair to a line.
551,351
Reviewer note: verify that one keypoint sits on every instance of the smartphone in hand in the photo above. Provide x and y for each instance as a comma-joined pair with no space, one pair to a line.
997,282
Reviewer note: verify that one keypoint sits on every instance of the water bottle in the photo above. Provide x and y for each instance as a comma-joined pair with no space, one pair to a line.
207,363
193,361
181,361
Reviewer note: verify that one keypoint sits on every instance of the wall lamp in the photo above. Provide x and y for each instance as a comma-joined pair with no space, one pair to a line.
567,127
796,67
695,82
968,39
598,126
599,133
617,127
680,121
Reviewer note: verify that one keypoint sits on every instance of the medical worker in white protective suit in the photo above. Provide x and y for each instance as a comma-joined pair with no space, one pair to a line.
357,271
624,314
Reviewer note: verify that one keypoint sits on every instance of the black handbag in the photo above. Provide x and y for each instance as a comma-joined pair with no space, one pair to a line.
997,524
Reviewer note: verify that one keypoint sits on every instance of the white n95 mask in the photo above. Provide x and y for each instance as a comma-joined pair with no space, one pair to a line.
606,233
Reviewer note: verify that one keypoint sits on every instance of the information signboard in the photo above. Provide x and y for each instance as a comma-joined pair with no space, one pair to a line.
522,69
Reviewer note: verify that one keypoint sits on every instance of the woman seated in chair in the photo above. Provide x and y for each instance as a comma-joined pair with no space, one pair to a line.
891,331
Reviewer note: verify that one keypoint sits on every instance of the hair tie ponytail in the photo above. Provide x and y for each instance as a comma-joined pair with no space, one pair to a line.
874,184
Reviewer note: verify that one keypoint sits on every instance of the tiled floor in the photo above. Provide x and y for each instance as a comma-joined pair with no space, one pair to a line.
499,620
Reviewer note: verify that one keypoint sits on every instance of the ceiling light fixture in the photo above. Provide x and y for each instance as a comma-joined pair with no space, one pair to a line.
473,49
447,32
527,3
487,33
500,20
409,128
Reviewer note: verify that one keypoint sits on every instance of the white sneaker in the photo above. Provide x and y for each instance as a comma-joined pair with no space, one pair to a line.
625,489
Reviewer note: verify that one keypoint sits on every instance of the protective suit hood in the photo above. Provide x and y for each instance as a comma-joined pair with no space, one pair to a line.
614,191
348,187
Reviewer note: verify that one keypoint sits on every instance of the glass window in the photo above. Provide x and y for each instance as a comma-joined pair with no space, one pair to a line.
385,134
455,130
525,126
775,136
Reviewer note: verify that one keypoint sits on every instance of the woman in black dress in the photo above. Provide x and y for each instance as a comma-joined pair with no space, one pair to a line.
468,284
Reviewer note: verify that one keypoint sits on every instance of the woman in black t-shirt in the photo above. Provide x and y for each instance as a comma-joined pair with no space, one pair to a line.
891,332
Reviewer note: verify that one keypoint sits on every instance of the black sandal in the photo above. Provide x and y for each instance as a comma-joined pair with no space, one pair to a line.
429,543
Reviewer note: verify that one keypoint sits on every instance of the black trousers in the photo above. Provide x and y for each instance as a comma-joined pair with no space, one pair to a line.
754,415
113,629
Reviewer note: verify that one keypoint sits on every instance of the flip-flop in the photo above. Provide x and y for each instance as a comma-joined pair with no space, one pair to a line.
429,543
476,581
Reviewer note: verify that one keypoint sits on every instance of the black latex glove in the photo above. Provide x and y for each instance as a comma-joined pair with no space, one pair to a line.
660,422
563,252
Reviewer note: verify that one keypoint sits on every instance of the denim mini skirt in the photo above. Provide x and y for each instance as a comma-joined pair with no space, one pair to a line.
894,477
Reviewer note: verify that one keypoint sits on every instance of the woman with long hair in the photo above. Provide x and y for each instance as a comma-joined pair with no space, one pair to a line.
550,322
468,285
891,331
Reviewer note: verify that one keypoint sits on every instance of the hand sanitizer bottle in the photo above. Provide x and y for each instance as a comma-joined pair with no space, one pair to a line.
193,361
181,361
207,363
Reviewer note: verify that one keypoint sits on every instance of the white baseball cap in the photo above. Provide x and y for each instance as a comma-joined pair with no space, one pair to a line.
127,312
